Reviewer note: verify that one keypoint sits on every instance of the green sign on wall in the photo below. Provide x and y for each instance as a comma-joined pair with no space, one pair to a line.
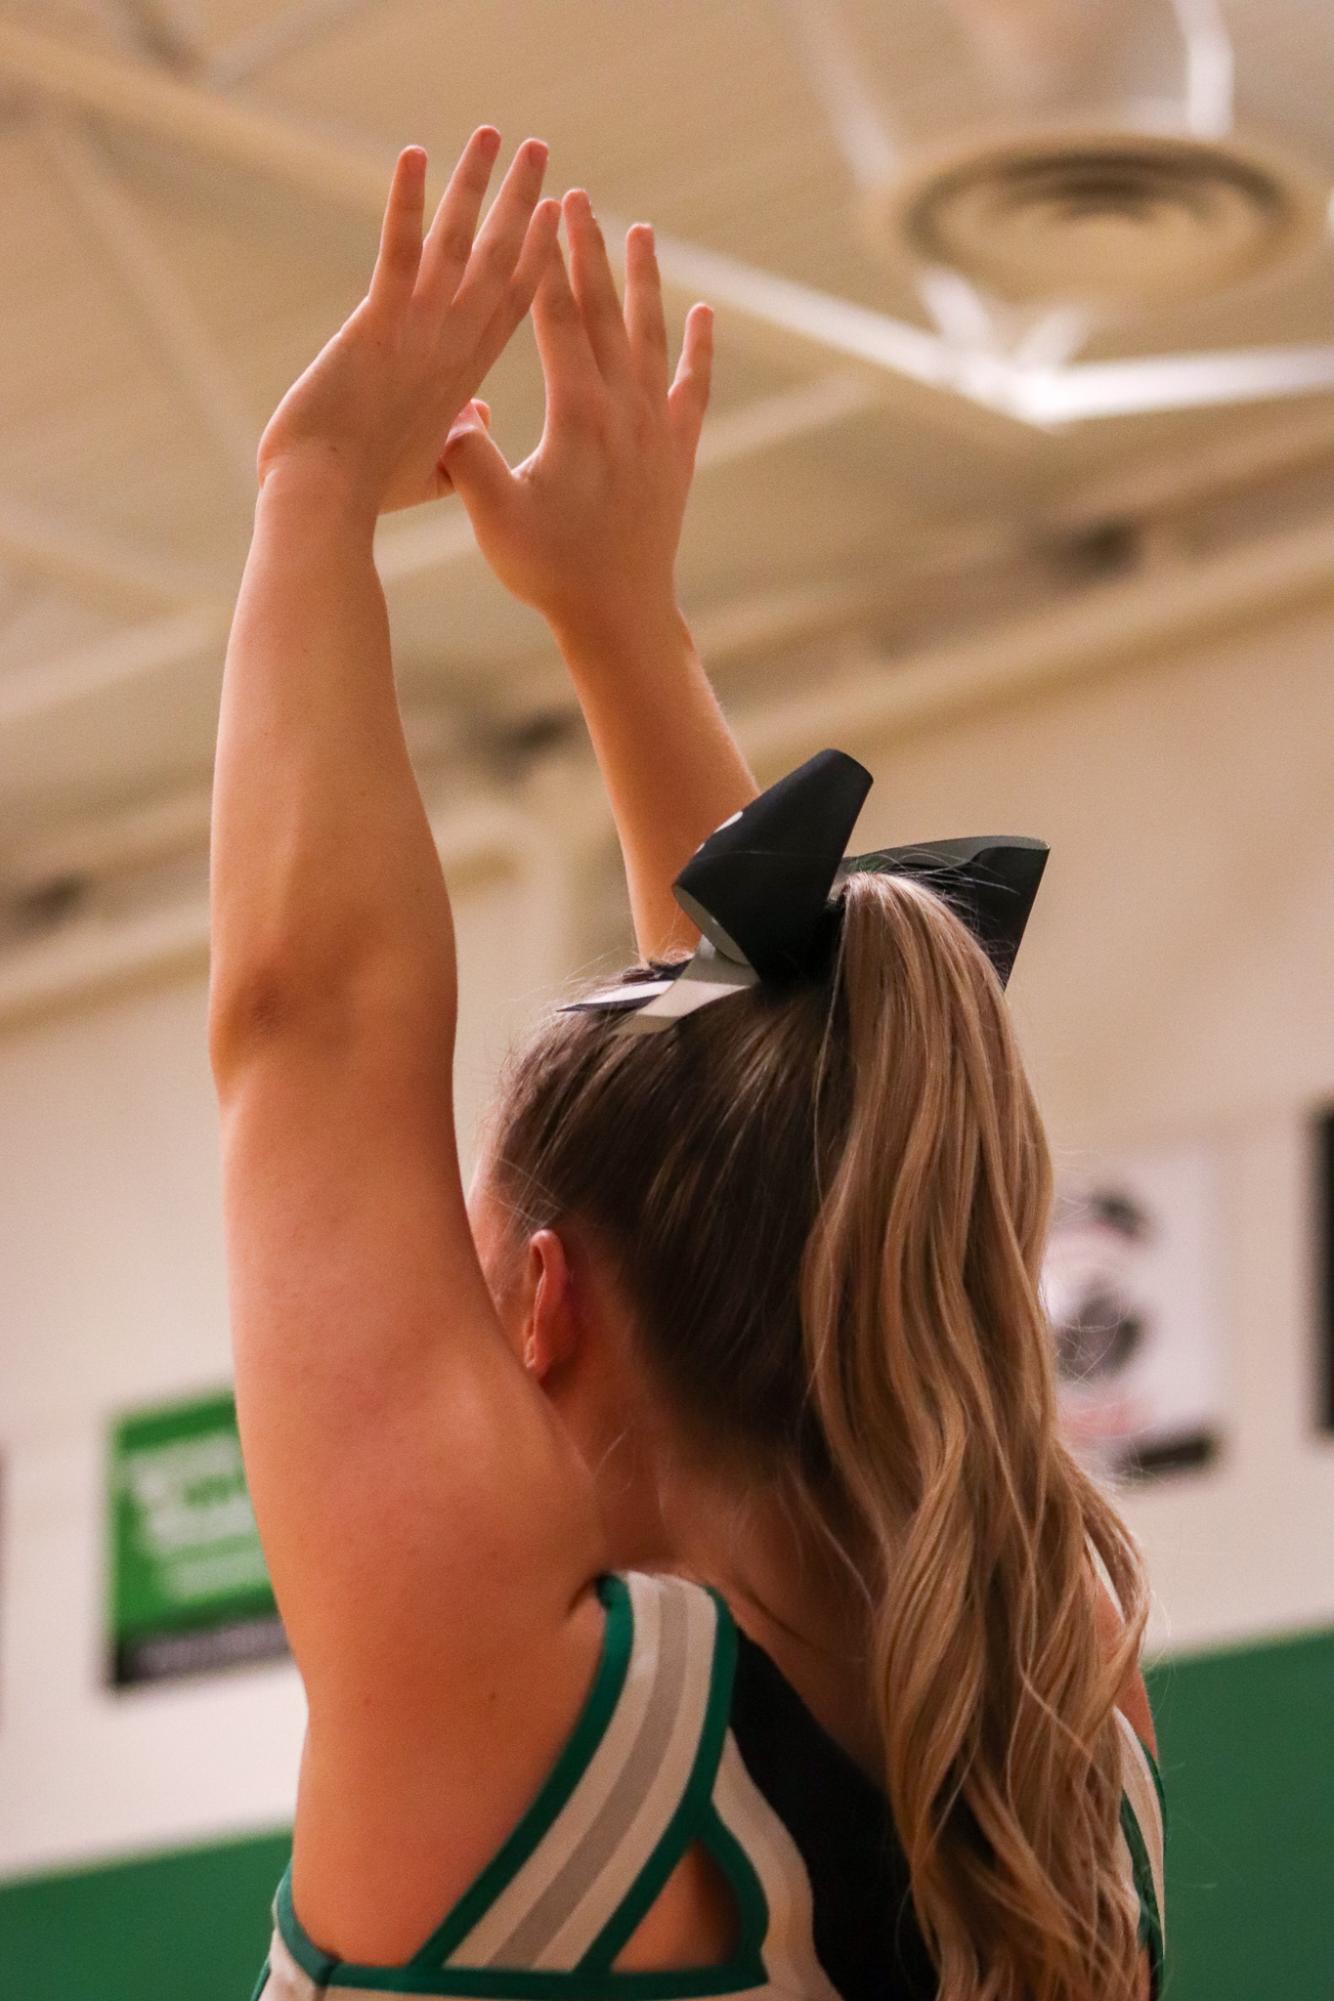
189,1590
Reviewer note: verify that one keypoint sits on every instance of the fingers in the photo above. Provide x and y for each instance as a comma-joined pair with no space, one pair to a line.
595,288
518,294
495,255
645,325
474,406
396,266
568,362
688,397
449,240
570,323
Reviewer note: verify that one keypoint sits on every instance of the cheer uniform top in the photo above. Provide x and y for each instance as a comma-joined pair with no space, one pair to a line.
690,1733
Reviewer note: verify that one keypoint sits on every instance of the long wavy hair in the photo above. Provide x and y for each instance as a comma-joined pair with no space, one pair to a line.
828,1203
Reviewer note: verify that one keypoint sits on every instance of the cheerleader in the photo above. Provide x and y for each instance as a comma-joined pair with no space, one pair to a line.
692,1592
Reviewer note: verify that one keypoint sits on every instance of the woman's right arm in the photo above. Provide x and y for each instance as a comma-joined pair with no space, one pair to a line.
672,768
586,531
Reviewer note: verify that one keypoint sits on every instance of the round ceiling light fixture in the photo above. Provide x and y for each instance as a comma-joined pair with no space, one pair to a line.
1122,218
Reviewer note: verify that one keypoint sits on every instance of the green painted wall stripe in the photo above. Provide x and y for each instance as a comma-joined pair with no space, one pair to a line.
197,1920
1247,1743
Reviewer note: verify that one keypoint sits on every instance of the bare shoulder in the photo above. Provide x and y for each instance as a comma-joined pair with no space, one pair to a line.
399,1809
400,1817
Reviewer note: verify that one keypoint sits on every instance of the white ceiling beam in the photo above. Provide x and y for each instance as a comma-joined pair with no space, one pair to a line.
406,545
291,29
769,422
1241,459
869,698
1096,389
142,97
77,159
45,687
862,128
783,316
151,831
758,625
64,554
837,72
1210,67
103,947
969,389
1180,603
1164,600
998,402
1051,338
419,541
156,27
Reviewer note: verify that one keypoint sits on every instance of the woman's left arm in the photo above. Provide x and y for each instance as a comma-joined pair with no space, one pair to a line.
396,1452
325,884
323,869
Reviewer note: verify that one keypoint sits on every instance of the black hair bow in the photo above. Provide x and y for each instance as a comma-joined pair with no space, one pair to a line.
761,889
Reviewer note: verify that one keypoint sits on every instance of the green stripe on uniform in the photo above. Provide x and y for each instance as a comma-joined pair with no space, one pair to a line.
510,1983
1150,1924
587,1734
684,1823
580,1747
308,1956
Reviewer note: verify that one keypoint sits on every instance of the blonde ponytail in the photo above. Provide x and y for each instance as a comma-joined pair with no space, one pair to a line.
929,1360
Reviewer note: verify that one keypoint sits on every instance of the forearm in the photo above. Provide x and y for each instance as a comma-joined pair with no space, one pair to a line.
672,768
325,883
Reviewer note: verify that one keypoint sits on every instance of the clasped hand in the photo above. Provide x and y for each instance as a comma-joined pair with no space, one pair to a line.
386,416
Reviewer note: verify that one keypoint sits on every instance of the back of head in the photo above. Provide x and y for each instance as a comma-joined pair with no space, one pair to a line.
827,1204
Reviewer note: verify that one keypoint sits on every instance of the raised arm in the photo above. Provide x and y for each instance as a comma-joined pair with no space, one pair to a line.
397,1453
323,870
672,768
586,531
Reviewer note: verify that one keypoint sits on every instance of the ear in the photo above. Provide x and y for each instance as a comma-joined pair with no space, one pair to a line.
550,1324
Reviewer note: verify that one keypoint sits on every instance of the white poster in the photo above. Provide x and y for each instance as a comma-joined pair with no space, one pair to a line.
1131,1283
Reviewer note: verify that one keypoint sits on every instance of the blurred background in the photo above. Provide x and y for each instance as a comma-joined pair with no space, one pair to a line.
1018,483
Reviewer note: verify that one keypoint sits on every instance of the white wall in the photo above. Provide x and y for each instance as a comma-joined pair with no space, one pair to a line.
1178,979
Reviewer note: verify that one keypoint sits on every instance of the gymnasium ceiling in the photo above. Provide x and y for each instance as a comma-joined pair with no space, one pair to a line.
189,199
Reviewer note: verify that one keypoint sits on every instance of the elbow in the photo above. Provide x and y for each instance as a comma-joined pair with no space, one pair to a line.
244,1015
386,1006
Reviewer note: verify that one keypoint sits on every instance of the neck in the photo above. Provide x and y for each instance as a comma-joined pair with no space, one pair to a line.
781,1572
786,1585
